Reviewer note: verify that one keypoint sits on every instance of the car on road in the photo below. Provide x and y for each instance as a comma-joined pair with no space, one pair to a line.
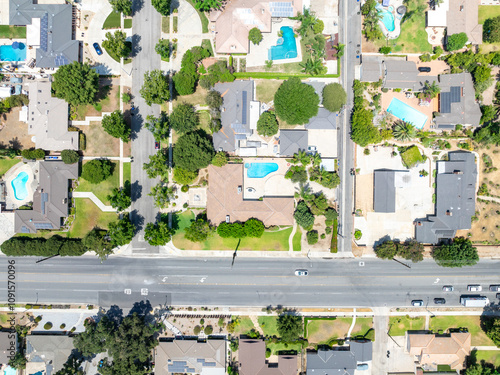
498,295
439,301
417,302
97,48
157,145
424,69
448,288
494,288
301,273
474,288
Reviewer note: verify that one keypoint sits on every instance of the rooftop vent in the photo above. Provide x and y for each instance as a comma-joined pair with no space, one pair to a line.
227,218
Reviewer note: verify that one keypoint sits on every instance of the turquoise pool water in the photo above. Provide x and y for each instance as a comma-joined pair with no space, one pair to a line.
19,186
259,170
286,47
9,371
406,113
387,18
7,53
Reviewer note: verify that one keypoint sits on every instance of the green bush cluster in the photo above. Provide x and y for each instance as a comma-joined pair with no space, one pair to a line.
250,228
55,245
410,250
363,131
186,78
33,154
70,156
312,237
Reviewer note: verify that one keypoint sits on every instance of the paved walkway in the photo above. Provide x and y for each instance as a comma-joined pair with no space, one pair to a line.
93,198
352,324
125,160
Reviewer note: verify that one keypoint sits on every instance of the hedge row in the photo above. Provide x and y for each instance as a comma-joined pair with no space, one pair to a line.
55,245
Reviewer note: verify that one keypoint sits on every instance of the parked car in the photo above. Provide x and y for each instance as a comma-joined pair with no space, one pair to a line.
417,302
97,48
494,288
157,145
439,301
448,288
498,295
301,273
362,366
424,69
474,288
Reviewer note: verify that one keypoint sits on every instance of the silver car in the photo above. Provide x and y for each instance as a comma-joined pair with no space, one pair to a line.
474,288
448,288
301,273
417,302
494,288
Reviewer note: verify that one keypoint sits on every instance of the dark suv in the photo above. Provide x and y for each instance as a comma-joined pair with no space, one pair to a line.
494,288
424,69
439,301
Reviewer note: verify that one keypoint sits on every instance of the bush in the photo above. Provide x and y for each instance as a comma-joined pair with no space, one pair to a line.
97,170
425,57
47,326
456,41
197,330
70,156
38,319
184,177
208,330
303,215
126,98
334,97
255,35
268,352
33,154
357,234
254,228
385,50
185,188
267,124
328,230
318,27
220,159
491,30
62,326
312,237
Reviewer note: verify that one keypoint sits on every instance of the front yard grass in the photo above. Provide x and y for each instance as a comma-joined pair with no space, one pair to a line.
278,347
6,164
266,88
127,23
269,325
127,172
165,24
113,21
488,11
489,356
245,326
197,98
411,157
400,324
296,241
102,189
472,323
89,216
322,331
100,143
12,32
364,327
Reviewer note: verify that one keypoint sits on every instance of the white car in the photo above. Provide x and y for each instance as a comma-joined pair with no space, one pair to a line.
474,288
448,288
301,273
417,302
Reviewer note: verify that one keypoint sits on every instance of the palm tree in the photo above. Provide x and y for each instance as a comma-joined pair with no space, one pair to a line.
305,192
307,21
431,90
302,158
312,66
316,160
404,131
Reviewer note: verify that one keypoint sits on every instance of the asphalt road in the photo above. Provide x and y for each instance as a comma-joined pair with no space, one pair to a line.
250,282
350,36
147,29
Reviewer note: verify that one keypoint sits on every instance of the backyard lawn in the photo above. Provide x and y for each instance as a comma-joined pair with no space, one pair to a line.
266,88
489,356
322,331
12,32
102,189
472,323
6,164
281,346
400,324
488,11
245,326
113,21
269,325
89,216
270,241
296,240
411,157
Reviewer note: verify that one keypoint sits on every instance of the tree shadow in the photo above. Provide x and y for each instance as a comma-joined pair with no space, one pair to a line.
175,221
115,314
143,308
136,48
138,220
137,5
135,120
135,191
15,144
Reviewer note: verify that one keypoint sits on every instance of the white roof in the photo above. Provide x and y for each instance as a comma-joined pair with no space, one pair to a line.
5,92
247,151
33,32
437,17
254,114
328,164
23,114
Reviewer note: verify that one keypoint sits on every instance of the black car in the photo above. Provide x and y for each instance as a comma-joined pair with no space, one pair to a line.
498,295
424,69
97,49
439,301
494,288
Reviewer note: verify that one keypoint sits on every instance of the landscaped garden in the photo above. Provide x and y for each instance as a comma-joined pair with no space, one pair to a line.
398,325
269,325
102,189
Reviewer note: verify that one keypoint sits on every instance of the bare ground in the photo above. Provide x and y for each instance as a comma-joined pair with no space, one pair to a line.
14,133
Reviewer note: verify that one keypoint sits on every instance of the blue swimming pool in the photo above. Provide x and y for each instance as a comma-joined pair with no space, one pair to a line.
9,371
259,170
406,113
19,186
8,53
387,18
286,47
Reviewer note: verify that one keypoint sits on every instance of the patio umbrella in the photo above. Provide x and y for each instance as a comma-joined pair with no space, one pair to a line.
15,45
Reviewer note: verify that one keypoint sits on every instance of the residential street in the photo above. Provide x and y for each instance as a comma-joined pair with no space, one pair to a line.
250,282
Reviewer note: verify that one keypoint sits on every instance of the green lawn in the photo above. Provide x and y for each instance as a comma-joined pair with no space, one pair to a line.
88,216
269,325
489,356
270,241
113,21
116,58
488,11
363,327
174,24
203,18
6,164
127,172
165,24
296,240
280,346
103,189
205,43
266,89
472,323
323,331
244,327
127,23
411,157
12,32
400,324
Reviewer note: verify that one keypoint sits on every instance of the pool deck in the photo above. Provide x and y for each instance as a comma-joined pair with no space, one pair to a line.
272,185
258,54
412,102
397,20
31,184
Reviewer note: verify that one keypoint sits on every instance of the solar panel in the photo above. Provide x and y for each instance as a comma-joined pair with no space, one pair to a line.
244,107
281,9
44,26
61,60
44,199
43,226
445,102
455,93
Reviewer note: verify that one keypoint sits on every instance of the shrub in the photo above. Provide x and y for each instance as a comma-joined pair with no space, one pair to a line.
385,50
197,330
267,124
33,154
303,215
126,98
312,237
208,330
220,159
318,27
62,326
357,234
255,35
97,170
184,177
70,156
254,228
38,319
185,188
425,57
456,41
268,352
47,326
328,230
334,97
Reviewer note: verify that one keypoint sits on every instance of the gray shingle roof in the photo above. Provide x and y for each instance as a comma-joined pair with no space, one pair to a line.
371,69
6,338
400,74
318,88
56,44
342,361
455,199
50,200
291,141
323,120
384,191
51,349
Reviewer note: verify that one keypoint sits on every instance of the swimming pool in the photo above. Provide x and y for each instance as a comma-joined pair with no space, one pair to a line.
286,47
9,371
19,186
259,170
387,18
7,53
406,113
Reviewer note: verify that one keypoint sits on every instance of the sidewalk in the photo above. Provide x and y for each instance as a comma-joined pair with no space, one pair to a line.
93,198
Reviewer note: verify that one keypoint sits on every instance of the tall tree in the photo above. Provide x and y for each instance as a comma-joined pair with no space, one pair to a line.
157,166
123,6
158,126
198,231
162,195
162,6
184,118
363,131
95,241
121,231
158,234
386,250
404,131
120,199
193,151
295,102
290,327
267,125
185,82
456,41
114,124
116,44
155,88
491,30
77,83
459,253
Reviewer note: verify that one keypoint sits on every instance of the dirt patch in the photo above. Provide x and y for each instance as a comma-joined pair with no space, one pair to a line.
14,133
108,100
186,324
364,193
485,228
321,331
487,173
323,244
489,93
100,143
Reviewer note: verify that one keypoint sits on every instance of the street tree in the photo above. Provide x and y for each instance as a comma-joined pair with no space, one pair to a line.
77,83
158,233
334,97
116,44
114,124
155,88
290,327
121,231
255,35
459,253
198,231
162,6
158,126
184,118
193,151
295,102
97,170
123,6
157,166
162,195
267,125
162,48
120,199
95,241
386,250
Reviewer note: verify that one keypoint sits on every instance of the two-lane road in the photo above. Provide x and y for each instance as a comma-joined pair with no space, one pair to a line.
250,282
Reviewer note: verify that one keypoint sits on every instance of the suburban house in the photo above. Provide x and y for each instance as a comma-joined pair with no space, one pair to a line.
455,199
431,350
50,200
292,141
49,30
47,354
252,360
343,360
239,116
456,16
226,202
48,119
385,184
233,24
8,345
190,357
457,102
